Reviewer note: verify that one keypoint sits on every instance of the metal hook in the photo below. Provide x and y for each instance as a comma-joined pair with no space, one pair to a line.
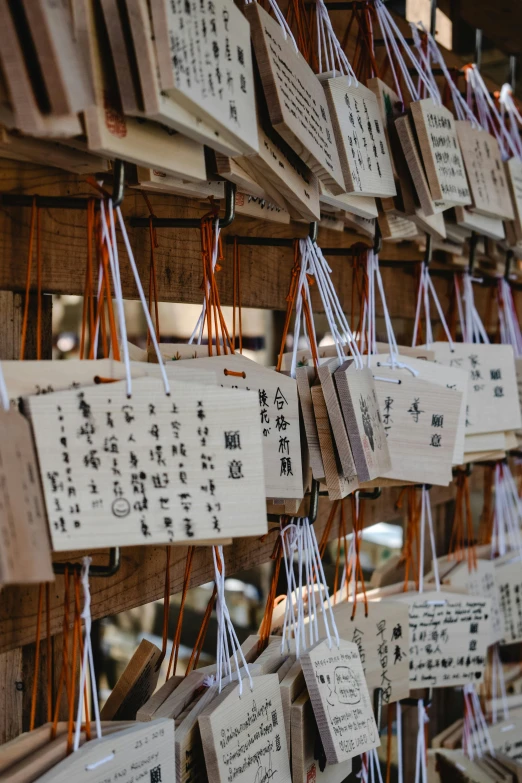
509,258
110,569
377,242
377,708
226,220
369,494
472,249
313,231
428,252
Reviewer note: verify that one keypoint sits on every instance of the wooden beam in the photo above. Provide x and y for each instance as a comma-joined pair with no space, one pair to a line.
140,578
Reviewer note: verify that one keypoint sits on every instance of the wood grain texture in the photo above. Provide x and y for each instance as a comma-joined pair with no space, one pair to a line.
337,485
140,578
337,423
11,694
135,685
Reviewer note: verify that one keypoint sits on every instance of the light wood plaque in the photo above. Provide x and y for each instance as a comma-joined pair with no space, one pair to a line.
440,150
482,224
481,581
338,486
514,178
149,469
335,414
255,719
361,139
340,700
296,102
305,376
136,684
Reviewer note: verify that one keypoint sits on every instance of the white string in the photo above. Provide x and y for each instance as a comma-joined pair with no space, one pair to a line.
200,323
426,518
226,632
398,722
510,332
334,53
143,300
87,659
282,21
515,119
425,288
97,329
489,115
497,679
473,330
476,737
421,773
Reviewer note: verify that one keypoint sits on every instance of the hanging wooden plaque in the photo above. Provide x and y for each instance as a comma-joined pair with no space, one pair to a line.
25,554
296,102
514,178
486,226
340,700
391,108
190,760
338,486
110,132
136,684
146,748
205,63
420,419
434,225
290,687
485,170
152,179
149,469
148,710
245,737
123,55
63,68
360,206
429,205
440,150
305,377
492,403
506,736
361,140
449,636
305,765
276,395
362,417
396,228
508,576
50,153
481,580
335,414
261,208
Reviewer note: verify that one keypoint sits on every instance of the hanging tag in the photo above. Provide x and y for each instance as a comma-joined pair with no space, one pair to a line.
261,208
147,748
506,737
429,205
508,576
307,761
296,102
255,718
485,170
514,177
493,402
420,419
439,147
149,469
25,555
390,107
473,221
361,140
157,181
335,414
449,636
291,686
216,82
340,700
278,415
396,228
362,417
305,377
338,486
480,581
135,686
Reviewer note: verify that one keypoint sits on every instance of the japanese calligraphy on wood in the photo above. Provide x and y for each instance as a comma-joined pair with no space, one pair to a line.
244,738
151,468
361,141
296,101
449,636
509,580
340,699
205,63
439,146
485,170
25,554
481,580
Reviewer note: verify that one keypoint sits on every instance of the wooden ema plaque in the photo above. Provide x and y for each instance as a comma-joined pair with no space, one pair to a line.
135,686
485,170
145,750
149,469
361,140
296,102
260,208
25,554
109,131
508,576
360,206
305,766
492,403
278,417
486,226
340,700
205,63
333,406
338,486
482,581
449,637
514,178
305,376
244,738
362,418
396,228
382,639
439,147
152,179
420,419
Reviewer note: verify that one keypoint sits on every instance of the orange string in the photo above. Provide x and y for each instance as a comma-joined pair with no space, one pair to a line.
153,282
236,285
174,653
327,528
88,297
78,626
198,646
36,658
64,671
266,624
487,516
358,526
49,652
166,609
23,338
38,287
